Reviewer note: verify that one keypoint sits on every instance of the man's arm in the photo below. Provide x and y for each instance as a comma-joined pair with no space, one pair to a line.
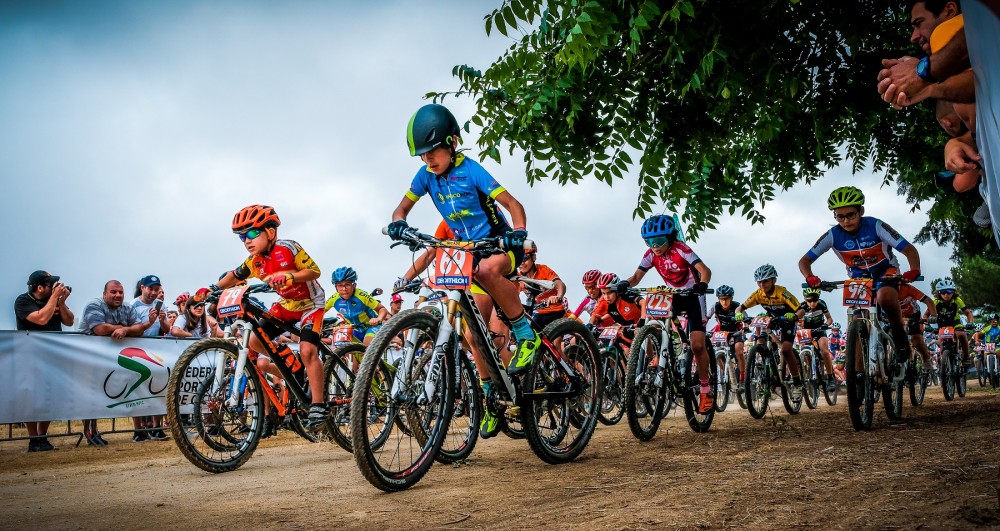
42,316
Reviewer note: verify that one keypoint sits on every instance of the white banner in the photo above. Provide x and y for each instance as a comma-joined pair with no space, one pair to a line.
65,376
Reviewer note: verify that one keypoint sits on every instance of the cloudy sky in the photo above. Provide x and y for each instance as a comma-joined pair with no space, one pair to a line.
132,131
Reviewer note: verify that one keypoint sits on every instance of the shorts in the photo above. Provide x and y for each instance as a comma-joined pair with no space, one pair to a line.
913,326
361,332
694,307
309,321
818,333
877,274
735,336
516,257
543,319
785,329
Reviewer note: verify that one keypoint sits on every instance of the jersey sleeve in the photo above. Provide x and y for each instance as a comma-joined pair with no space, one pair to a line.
687,253
366,299
751,301
959,303
245,270
890,236
647,261
485,182
822,245
601,308
546,273
302,259
418,187
791,300
331,301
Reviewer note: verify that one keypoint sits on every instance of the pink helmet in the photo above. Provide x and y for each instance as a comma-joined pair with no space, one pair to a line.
591,277
608,280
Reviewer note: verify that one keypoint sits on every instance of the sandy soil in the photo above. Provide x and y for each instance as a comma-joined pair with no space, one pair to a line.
938,468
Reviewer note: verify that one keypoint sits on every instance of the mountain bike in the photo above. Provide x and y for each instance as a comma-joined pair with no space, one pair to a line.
871,365
216,399
814,377
990,369
610,340
556,400
763,373
661,370
729,376
950,364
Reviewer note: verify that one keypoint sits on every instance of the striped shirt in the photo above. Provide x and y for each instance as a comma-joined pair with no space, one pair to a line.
98,312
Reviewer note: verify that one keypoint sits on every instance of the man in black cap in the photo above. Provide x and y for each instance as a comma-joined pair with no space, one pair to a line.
43,307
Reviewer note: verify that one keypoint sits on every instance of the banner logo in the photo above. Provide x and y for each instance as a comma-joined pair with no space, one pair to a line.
140,365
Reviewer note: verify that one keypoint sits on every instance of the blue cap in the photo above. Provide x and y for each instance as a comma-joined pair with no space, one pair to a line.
150,280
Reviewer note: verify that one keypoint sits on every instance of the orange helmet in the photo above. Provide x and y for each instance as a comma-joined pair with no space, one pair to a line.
255,217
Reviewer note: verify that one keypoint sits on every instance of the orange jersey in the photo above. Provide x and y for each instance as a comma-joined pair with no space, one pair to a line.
544,272
909,296
623,312
286,256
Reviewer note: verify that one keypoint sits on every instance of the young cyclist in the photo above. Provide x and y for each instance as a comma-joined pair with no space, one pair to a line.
865,246
909,299
358,307
614,308
286,267
589,302
816,314
466,196
990,334
725,316
949,305
680,267
783,308
548,303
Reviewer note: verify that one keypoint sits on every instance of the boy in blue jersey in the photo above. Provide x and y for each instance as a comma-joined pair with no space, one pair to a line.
357,307
865,245
466,196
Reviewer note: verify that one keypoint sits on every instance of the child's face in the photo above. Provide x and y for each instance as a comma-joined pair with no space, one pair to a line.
592,291
260,241
345,289
849,218
725,302
767,286
609,295
437,160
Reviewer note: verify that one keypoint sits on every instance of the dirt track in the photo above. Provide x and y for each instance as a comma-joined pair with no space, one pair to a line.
939,468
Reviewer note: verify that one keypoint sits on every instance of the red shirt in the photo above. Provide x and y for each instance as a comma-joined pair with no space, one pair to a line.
676,266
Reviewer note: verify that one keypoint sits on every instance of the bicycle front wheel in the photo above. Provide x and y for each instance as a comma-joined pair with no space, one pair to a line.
757,386
947,374
725,386
215,424
860,388
339,380
644,395
463,430
558,429
400,460
810,380
792,406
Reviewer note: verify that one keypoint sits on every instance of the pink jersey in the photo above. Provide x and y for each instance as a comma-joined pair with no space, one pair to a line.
676,266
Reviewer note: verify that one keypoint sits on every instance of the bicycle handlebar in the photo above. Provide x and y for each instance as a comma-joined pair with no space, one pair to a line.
830,286
417,240
671,291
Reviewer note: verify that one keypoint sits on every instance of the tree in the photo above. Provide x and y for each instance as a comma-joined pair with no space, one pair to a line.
717,104
978,280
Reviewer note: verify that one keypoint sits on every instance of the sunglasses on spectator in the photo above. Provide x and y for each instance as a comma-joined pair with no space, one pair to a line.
198,305
947,292
656,241
250,234
846,217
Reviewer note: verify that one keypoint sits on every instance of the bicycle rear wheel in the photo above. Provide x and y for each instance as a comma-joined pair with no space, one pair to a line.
724,387
402,459
644,399
698,421
810,380
757,389
463,430
860,388
214,433
339,380
558,429
613,392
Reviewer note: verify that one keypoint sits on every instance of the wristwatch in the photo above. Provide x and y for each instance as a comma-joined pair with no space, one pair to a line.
924,70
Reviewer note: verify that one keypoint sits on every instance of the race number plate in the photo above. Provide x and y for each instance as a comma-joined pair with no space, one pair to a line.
720,338
452,269
803,337
761,321
231,302
610,332
343,335
858,292
657,305
946,332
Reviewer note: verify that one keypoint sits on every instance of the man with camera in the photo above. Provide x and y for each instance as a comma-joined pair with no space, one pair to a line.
42,308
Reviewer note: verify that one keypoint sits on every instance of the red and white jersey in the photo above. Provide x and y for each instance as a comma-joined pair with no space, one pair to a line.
676,266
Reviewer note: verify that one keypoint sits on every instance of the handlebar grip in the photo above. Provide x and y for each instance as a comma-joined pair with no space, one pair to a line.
385,231
528,244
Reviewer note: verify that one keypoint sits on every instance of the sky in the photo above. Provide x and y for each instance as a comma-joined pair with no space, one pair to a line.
133,131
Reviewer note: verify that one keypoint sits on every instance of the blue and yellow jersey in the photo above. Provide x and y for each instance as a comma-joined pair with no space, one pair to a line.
991,334
358,310
466,199
867,253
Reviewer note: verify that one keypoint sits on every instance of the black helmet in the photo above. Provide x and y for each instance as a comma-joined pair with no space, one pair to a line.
431,126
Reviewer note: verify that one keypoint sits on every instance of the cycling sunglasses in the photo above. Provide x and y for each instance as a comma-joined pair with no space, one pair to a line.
947,292
656,241
250,234
812,300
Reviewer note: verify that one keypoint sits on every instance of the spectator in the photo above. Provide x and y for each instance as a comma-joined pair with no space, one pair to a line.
395,304
195,322
42,308
107,316
171,318
149,299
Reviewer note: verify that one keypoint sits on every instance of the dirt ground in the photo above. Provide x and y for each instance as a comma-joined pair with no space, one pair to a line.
939,468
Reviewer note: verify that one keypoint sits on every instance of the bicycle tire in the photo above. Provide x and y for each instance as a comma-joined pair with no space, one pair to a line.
613,395
860,391
892,400
339,380
981,373
463,434
791,406
724,386
698,421
918,385
810,380
644,401
947,378
548,426
383,464
830,396
757,383
734,378
961,377
240,426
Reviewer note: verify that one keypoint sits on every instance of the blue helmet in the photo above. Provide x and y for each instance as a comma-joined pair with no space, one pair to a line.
659,225
345,274
724,291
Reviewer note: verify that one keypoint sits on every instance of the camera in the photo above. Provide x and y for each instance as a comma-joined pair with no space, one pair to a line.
69,289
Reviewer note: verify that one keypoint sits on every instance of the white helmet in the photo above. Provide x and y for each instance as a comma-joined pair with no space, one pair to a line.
945,283
765,272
